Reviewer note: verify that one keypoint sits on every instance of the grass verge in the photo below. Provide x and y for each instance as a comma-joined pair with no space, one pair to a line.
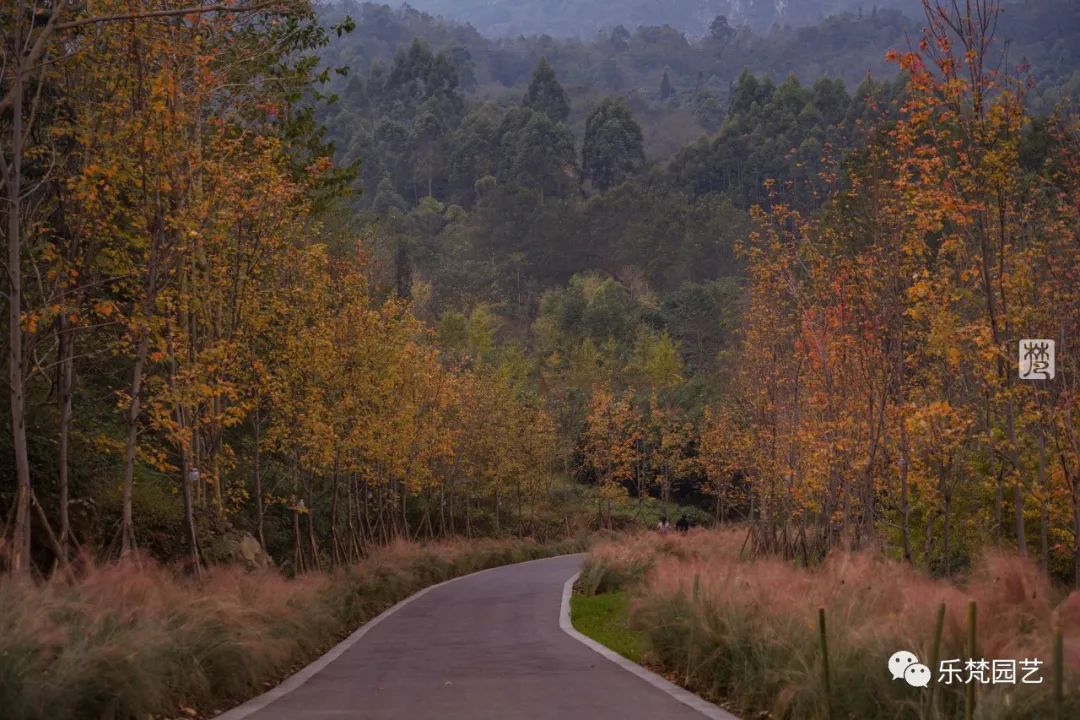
744,633
605,618
133,641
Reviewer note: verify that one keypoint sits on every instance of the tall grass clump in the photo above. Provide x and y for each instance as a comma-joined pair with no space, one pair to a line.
135,640
625,560
746,631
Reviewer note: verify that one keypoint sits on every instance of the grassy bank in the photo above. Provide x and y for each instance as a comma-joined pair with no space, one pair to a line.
745,632
131,642
605,618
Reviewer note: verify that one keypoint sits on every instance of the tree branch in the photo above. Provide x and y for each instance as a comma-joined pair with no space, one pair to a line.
39,45
191,10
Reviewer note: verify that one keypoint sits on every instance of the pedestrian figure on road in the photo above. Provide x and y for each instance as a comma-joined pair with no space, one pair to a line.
663,527
683,525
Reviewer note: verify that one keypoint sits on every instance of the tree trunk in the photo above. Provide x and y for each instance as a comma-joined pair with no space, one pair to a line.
947,532
1076,529
127,528
928,541
189,515
1018,481
64,383
337,551
442,508
999,501
1044,504
260,519
19,557
298,552
905,503
468,520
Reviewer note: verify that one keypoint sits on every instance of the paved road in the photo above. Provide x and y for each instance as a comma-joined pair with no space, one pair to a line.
486,647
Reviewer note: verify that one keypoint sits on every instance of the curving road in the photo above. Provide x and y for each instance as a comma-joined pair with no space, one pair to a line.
487,646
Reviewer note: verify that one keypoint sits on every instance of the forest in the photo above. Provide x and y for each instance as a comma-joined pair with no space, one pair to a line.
575,18
395,297
306,276
805,313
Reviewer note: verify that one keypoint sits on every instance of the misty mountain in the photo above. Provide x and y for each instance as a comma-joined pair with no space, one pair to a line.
584,18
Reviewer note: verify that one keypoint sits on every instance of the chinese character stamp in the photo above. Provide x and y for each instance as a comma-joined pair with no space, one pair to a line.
1036,359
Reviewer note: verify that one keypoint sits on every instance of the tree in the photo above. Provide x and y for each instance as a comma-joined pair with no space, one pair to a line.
613,149
667,90
612,448
720,31
538,153
35,42
545,94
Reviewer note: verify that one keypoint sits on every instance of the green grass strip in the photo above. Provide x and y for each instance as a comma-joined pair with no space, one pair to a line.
606,619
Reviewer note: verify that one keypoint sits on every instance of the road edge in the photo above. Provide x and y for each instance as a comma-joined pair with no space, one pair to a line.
301,676
683,695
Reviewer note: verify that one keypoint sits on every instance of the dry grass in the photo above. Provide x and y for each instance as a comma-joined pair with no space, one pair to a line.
748,633
128,641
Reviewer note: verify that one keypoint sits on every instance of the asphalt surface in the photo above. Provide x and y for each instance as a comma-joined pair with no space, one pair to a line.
485,647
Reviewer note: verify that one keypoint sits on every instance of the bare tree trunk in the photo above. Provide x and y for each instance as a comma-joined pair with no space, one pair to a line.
520,512
1018,481
337,552
468,519
315,563
260,519
1076,528
905,503
189,514
999,501
298,554
298,550
19,557
442,508
353,547
65,376
947,533
127,528
1044,503
928,542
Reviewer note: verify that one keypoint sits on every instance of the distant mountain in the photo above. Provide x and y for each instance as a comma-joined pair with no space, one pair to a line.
584,18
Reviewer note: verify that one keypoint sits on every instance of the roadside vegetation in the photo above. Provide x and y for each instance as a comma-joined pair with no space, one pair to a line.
744,632
604,618
139,639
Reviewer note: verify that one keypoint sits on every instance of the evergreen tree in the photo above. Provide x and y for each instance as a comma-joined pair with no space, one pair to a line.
546,95
538,153
720,31
614,147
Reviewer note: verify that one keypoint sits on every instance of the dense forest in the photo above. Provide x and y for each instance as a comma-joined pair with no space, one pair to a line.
331,278
624,272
